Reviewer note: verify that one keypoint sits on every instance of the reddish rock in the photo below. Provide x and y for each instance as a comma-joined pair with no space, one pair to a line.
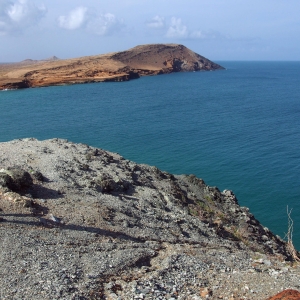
286,295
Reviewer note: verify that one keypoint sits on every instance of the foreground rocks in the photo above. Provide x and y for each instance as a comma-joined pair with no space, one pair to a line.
286,295
119,66
83,223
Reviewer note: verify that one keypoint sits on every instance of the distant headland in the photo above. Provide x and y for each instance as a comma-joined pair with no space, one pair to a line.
143,60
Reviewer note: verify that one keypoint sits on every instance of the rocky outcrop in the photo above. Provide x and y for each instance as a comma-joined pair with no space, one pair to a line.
287,295
15,179
23,84
121,66
82,223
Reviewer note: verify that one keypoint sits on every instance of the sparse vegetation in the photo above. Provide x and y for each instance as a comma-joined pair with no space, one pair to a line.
239,234
289,236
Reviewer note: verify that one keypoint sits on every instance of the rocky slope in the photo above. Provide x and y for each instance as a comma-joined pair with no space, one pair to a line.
82,223
121,66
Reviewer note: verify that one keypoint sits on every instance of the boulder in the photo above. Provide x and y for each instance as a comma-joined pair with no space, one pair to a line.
15,179
5,180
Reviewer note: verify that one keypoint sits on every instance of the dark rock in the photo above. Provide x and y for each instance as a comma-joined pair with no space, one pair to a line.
38,176
15,179
105,184
5,180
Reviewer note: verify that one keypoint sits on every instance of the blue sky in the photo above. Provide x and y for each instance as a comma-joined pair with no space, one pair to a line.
217,29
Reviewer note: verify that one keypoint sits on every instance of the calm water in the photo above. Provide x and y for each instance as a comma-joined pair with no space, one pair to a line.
237,129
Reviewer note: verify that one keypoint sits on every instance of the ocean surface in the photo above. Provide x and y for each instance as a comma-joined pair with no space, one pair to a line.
237,129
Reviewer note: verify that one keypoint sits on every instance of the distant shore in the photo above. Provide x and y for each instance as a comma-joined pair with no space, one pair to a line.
139,61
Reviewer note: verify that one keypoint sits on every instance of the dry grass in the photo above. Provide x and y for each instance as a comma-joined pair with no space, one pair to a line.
289,236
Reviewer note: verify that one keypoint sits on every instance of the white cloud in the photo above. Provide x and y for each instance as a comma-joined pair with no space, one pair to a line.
208,35
16,16
75,19
82,17
157,22
177,29
104,24
198,34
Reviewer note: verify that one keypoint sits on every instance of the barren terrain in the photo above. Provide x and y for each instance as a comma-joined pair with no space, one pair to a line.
119,66
77,222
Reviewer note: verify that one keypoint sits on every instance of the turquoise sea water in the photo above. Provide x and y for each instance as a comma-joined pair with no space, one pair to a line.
237,129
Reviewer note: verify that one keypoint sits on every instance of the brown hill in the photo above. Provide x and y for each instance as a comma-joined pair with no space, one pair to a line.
119,66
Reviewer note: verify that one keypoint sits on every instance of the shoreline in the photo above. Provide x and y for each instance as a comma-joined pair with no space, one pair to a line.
118,228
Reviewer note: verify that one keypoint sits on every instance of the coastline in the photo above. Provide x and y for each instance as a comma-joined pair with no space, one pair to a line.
114,223
144,60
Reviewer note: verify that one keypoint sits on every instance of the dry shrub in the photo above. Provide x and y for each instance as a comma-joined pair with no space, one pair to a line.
289,236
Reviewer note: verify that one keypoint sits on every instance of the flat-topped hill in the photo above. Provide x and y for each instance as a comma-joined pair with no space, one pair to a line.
139,61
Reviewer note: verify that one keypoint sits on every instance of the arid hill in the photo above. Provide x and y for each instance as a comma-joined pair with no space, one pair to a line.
118,66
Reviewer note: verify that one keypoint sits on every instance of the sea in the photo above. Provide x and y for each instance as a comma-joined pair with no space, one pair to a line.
237,128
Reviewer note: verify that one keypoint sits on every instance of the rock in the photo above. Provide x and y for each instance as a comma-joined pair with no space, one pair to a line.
259,261
27,202
38,175
54,219
287,295
18,199
267,262
15,179
5,180
106,184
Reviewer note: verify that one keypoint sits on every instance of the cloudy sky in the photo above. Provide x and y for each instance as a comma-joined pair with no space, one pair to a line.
217,29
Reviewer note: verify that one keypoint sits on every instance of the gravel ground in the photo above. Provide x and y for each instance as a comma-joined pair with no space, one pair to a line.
78,222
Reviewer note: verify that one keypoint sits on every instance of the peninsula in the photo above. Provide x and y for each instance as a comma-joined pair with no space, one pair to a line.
153,59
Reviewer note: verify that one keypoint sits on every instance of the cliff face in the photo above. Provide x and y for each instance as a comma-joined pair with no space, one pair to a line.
121,66
82,223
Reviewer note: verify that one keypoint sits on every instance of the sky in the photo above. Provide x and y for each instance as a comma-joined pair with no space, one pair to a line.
217,29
